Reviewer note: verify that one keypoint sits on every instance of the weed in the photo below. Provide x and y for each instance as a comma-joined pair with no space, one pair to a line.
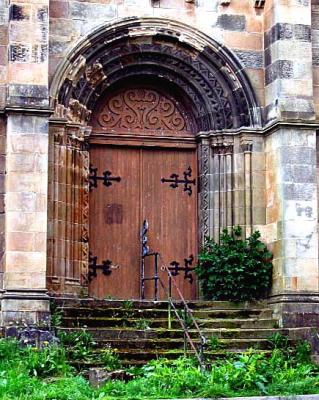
143,324
214,343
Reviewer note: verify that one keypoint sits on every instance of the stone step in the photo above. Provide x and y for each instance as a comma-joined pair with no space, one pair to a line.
139,304
140,357
149,313
171,344
223,333
162,322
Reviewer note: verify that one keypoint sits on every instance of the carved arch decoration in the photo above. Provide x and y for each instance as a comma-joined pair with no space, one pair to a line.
208,74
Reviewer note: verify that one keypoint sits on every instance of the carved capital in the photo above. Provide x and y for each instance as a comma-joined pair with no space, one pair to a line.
222,144
246,145
77,112
94,74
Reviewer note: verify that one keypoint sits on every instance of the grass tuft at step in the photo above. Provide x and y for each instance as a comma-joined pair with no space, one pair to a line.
28,373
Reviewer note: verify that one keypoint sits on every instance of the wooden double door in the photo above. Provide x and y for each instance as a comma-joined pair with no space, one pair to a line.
127,186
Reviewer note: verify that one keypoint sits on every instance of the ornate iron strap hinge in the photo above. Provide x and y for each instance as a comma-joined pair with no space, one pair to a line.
175,181
93,267
175,268
107,178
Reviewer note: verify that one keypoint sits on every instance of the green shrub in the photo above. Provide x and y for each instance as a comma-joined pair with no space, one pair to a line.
234,269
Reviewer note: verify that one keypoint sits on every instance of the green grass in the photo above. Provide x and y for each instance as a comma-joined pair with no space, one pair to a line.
32,374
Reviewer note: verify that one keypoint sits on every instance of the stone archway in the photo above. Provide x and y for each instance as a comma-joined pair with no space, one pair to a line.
206,75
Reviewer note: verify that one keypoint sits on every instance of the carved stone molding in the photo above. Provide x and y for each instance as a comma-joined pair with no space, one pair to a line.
222,144
146,109
94,74
204,190
77,112
246,145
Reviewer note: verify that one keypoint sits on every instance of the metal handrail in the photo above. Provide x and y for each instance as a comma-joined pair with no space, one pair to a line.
199,354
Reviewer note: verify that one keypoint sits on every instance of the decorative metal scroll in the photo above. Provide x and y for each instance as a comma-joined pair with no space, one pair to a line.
175,268
94,266
174,181
106,179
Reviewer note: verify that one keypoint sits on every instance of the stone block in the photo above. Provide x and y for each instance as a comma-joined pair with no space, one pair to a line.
232,22
28,95
19,12
20,241
25,124
297,155
87,11
299,173
21,201
251,59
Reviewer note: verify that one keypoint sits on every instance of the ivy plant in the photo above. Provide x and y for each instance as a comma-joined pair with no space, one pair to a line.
234,269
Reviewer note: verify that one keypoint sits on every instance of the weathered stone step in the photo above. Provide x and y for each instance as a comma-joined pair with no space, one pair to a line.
160,333
139,304
171,344
136,323
149,313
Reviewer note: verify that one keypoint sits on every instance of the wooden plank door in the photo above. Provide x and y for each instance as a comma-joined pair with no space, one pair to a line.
171,213
115,222
117,212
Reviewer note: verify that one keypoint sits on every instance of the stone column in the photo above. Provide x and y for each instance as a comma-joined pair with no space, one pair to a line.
292,223
291,162
25,299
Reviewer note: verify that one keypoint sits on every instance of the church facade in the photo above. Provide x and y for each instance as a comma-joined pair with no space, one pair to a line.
191,115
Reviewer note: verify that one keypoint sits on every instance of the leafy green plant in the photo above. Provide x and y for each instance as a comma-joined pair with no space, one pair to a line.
78,344
37,374
234,269
143,323
109,358
80,347
214,343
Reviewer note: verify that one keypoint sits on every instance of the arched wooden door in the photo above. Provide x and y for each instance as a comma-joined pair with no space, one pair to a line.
143,167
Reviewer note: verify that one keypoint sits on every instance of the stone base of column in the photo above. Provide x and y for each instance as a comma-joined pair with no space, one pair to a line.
296,310
22,307
299,314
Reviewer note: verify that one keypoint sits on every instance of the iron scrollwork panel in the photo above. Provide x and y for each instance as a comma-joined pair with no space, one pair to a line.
175,181
107,178
175,268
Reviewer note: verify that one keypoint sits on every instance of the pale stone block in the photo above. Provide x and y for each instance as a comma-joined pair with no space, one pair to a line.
20,182
26,261
24,280
290,50
292,15
40,242
26,222
307,248
309,283
21,163
20,241
300,210
304,230
20,201
292,88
